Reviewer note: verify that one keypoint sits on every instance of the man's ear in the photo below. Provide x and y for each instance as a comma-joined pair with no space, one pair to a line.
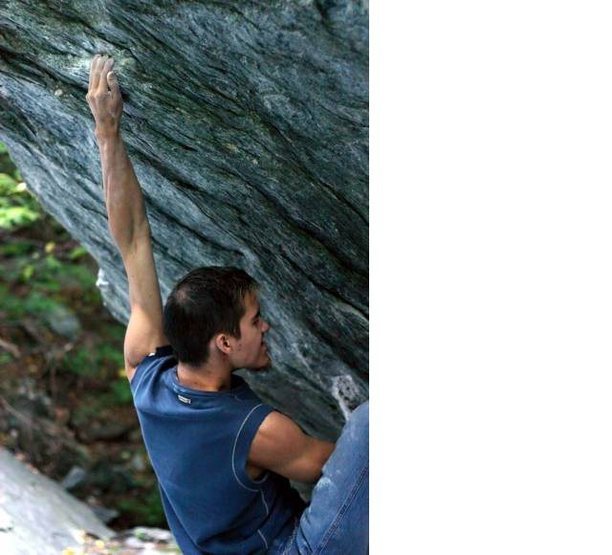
222,341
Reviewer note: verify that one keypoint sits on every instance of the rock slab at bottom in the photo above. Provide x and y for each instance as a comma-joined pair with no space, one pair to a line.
37,515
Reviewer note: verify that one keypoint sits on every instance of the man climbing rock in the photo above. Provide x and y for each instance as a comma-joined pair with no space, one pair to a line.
223,459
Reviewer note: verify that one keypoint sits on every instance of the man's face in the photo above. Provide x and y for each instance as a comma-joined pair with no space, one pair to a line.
250,351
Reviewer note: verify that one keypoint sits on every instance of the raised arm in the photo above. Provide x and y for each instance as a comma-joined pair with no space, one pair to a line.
127,218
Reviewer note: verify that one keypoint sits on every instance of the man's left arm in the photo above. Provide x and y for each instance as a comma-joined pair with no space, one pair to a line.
282,447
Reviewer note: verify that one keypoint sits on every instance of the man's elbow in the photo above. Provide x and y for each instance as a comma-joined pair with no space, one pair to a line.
317,459
312,473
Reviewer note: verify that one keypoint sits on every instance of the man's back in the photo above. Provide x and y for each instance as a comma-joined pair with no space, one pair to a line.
198,443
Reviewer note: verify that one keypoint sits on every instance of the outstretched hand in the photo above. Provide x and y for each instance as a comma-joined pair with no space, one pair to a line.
104,96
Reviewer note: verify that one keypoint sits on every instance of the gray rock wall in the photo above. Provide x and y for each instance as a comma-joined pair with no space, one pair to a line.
247,123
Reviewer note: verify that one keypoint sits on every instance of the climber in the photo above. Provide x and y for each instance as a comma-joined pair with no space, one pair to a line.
222,458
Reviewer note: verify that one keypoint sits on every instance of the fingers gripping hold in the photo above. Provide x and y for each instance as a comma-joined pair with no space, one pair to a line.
101,69
107,64
94,74
104,96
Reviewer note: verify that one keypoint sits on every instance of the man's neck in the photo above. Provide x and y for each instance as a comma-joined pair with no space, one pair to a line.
205,378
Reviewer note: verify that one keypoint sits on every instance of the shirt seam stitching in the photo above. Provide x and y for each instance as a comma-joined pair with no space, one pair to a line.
236,443
264,502
263,538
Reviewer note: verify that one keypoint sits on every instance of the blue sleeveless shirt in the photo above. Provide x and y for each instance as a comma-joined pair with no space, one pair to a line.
198,443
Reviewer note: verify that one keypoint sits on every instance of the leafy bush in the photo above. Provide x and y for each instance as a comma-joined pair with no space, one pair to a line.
18,207
122,394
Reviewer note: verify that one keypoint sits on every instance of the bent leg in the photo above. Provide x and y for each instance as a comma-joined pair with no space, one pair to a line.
337,519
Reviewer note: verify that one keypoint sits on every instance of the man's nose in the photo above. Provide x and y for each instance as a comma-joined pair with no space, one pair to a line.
265,326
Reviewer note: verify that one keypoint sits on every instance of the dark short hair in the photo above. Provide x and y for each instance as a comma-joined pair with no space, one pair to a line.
205,302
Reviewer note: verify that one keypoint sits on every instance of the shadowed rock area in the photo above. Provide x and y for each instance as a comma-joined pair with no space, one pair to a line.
247,124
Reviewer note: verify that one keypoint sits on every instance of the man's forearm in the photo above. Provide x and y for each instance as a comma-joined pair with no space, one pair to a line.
127,219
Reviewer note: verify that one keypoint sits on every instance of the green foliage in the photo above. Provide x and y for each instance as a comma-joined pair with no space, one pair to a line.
81,362
122,394
15,216
35,304
48,274
16,249
85,361
18,208
8,185
52,264
77,252
27,272
38,279
5,358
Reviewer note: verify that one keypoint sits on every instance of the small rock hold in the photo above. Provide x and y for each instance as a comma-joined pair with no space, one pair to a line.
58,92
345,391
104,514
64,322
104,432
75,476
152,534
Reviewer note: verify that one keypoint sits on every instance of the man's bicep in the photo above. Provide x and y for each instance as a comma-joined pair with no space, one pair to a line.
145,328
282,447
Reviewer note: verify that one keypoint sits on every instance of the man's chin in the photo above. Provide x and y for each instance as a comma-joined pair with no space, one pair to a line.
261,367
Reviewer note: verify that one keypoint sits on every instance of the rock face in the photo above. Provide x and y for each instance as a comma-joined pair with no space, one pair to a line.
247,124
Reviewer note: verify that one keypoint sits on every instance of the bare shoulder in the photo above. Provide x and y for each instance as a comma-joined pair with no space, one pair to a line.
142,337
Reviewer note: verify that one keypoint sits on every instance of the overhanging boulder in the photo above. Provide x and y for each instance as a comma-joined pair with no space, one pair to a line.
247,124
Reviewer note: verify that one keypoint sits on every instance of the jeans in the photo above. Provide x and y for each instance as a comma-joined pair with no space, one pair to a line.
337,519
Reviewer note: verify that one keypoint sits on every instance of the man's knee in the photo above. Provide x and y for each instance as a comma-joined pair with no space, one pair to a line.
362,413
360,417
352,447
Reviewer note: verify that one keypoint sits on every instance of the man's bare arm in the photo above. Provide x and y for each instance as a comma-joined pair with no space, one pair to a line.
127,219
281,446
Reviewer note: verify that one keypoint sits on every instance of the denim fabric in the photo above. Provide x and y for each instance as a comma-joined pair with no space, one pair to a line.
337,519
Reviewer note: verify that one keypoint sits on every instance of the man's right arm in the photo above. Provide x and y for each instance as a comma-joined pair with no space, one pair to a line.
127,219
